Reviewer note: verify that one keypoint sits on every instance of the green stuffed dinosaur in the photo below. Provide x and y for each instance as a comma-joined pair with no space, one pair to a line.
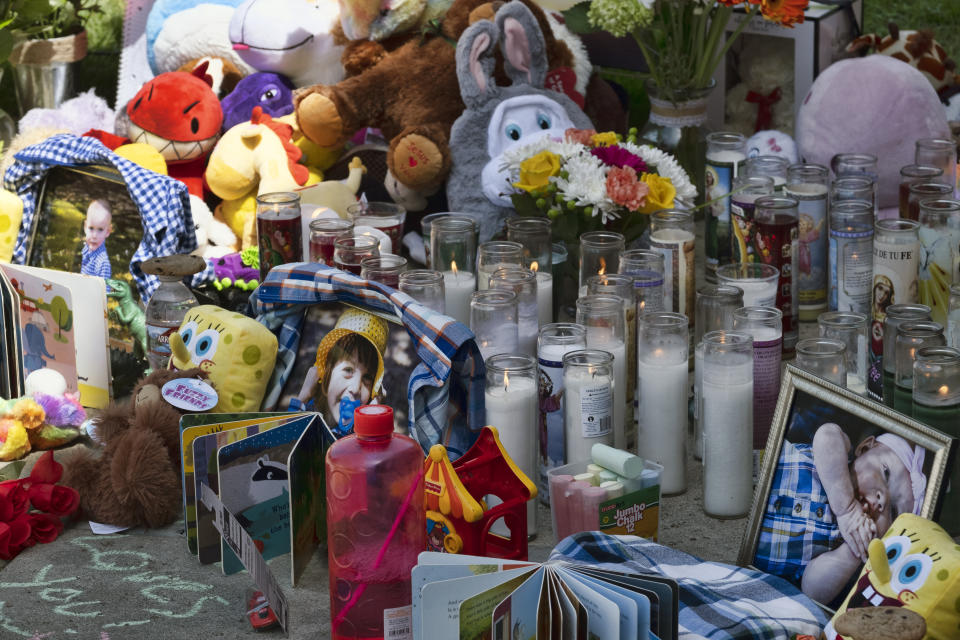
128,312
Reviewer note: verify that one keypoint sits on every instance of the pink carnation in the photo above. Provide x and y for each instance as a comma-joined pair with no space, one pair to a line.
624,188
580,136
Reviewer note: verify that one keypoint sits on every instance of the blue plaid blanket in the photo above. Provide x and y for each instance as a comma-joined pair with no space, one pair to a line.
163,202
445,390
717,601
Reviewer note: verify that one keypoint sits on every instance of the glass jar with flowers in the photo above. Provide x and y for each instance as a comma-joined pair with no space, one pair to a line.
682,42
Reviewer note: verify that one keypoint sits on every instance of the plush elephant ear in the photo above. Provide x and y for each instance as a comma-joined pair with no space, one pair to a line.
475,63
524,48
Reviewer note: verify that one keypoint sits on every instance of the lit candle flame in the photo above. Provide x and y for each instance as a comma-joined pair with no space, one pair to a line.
603,267
506,380
453,267
943,390
534,266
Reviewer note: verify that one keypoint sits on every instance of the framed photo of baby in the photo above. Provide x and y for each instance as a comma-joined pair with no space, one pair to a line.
838,470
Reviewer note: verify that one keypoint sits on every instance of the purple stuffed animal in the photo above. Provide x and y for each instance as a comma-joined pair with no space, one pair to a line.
271,91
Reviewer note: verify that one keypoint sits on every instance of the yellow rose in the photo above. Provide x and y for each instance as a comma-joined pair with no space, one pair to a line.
661,194
535,171
605,139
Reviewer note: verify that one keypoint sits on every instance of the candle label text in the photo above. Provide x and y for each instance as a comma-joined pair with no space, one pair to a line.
596,411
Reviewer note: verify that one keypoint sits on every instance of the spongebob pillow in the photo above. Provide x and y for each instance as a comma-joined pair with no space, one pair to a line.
916,566
237,352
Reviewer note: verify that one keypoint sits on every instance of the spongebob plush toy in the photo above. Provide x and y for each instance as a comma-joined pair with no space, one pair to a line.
916,566
236,352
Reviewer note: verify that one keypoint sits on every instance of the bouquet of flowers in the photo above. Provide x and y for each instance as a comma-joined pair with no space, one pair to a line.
591,181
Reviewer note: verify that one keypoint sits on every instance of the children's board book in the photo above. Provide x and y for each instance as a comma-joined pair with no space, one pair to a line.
472,597
56,332
11,346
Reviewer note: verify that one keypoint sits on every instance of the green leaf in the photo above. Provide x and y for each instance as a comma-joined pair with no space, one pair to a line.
576,19
6,44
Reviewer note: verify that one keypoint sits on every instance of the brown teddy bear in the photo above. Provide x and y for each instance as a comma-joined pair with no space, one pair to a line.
134,480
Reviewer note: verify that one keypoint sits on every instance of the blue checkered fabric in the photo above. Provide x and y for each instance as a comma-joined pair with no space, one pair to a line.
717,601
163,202
446,389
798,524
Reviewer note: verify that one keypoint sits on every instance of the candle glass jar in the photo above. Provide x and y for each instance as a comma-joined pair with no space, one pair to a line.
662,387
534,235
824,358
912,174
765,325
940,153
856,165
928,190
884,342
523,282
726,153
953,317
425,286
672,234
809,185
854,188
777,228
599,254
349,252
646,268
849,328
758,282
493,255
323,233
604,320
844,164
555,341
426,227
850,256
588,403
493,320
511,406
743,236
912,335
774,167
385,268
726,417
714,308
939,235
279,230
896,249
453,241
389,217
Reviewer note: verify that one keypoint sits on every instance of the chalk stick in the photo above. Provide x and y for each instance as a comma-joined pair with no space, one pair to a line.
606,476
558,501
613,488
589,478
574,494
631,484
650,477
591,499
620,462
595,469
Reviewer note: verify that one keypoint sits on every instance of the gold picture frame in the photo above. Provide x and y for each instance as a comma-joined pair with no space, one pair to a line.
789,527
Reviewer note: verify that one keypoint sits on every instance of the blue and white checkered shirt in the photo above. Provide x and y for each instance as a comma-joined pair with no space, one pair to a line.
96,262
163,202
798,524
451,374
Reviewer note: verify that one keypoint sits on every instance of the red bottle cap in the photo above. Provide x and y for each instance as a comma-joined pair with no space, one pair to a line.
372,420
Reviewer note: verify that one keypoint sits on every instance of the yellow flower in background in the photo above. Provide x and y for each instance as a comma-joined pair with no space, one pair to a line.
536,171
605,139
661,194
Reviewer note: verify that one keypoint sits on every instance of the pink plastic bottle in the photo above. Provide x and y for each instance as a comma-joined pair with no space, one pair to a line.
376,526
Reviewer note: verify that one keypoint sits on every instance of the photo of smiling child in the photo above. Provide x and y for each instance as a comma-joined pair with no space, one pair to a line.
830,497
97,226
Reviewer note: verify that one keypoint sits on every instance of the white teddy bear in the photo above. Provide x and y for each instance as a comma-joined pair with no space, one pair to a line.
766,70
215,239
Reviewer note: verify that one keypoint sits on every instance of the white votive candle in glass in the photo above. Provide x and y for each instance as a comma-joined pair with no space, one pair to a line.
493,255
493,320
544,297
588,388
523,282
458,286
604,318
453,253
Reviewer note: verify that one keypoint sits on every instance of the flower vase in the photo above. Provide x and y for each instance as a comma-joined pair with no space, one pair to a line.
677,127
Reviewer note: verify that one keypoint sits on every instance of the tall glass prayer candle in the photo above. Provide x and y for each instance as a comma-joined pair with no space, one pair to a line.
599,254
534,235
726,416
523,282
389,217
939,242
851,255
953,317
646,268
426,226
850,328
883,341
556,340
425,286
765,325
662,385
511,407
808,184
453,241
777,224
672,234
758,282
385,268
323,232
927,190
588,404
855,188
743,232
715,306
940,153
493,320
493,255
859,164
726,153
279,230
603,317
825,358
912,335
349,252
912,174
773,167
